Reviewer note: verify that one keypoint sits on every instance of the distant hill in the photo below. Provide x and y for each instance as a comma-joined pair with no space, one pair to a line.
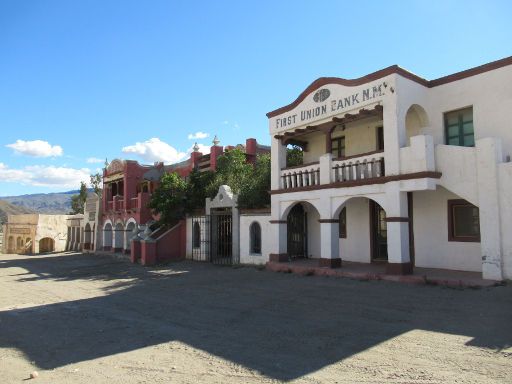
11,209
53,203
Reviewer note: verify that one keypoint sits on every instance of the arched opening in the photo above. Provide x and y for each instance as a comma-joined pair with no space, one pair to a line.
196,235
107,237
255,238
362,229
130,232
46,244
303,231
10,245
118,237
87,236
19,244
416,120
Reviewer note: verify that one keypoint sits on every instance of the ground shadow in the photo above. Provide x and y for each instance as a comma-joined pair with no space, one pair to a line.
284,326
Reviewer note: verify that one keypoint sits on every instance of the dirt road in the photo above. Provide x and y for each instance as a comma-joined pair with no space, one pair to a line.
94,319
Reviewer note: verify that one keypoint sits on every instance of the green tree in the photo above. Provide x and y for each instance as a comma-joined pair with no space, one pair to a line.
78,201
255,191
96,181
233,170
294,156
169,199
197,185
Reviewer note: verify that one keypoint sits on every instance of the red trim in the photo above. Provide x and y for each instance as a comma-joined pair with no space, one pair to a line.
394,69
451,235
300,166
278,257
328,221
397,219
330,263
277,221
399,268
356,156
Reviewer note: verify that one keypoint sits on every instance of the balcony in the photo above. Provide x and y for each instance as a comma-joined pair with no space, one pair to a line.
327,171
301,176
363,167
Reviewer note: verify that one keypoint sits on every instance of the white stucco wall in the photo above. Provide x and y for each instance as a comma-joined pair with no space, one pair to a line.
432,248
246,257
313,232
505,188
356,246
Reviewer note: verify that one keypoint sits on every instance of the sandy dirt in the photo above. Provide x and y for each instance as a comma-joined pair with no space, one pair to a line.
95,319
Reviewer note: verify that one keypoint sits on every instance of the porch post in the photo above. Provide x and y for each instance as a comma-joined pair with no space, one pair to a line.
397,218
278,154
329,243
278,233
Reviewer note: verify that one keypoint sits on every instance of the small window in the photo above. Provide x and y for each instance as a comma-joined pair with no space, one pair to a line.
196,235
255,241
380,138
463,221
458,126
343,223
338,147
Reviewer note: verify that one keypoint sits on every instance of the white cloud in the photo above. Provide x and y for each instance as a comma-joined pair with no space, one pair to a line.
155,150
45,176
94,160
198,135
36,148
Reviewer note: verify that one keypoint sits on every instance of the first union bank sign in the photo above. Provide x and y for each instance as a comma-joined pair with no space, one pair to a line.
327,107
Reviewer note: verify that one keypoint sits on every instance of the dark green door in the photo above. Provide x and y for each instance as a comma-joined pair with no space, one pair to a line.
297,232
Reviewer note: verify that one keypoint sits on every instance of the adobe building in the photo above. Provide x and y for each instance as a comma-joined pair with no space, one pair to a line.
35,233
397,170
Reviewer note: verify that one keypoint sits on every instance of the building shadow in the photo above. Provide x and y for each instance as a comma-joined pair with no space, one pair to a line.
281,325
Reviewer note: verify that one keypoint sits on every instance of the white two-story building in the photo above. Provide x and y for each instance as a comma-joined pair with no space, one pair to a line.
397,170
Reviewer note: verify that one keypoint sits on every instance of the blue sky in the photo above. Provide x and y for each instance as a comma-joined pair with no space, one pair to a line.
88,79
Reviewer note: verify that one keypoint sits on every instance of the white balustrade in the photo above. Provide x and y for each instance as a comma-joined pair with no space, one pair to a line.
358,168
299,177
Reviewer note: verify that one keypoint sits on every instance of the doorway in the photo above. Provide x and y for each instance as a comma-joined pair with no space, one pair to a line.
297,233
378,233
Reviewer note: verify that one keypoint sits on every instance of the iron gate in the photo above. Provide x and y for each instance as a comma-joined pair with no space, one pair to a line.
221,230
201,238
297,233
212,238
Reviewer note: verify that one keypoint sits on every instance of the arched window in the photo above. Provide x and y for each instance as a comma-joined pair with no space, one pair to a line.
255,241
196,235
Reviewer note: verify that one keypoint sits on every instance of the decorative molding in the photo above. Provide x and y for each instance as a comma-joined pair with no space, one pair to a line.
394,69
277,221
328,221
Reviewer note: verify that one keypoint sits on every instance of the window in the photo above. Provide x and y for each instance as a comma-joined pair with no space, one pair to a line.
338,147
343,223
463,221
255,241
196,235
380,138
458,126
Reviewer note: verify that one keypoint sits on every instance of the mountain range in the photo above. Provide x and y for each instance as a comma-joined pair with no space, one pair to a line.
49,203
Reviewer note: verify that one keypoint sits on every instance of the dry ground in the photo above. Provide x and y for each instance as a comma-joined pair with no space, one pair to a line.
95,319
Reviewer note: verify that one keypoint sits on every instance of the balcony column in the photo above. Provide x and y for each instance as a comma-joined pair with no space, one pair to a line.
278,155
326,168
394,135
397,218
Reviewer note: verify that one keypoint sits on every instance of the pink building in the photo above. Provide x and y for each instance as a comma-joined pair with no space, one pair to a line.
127,188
